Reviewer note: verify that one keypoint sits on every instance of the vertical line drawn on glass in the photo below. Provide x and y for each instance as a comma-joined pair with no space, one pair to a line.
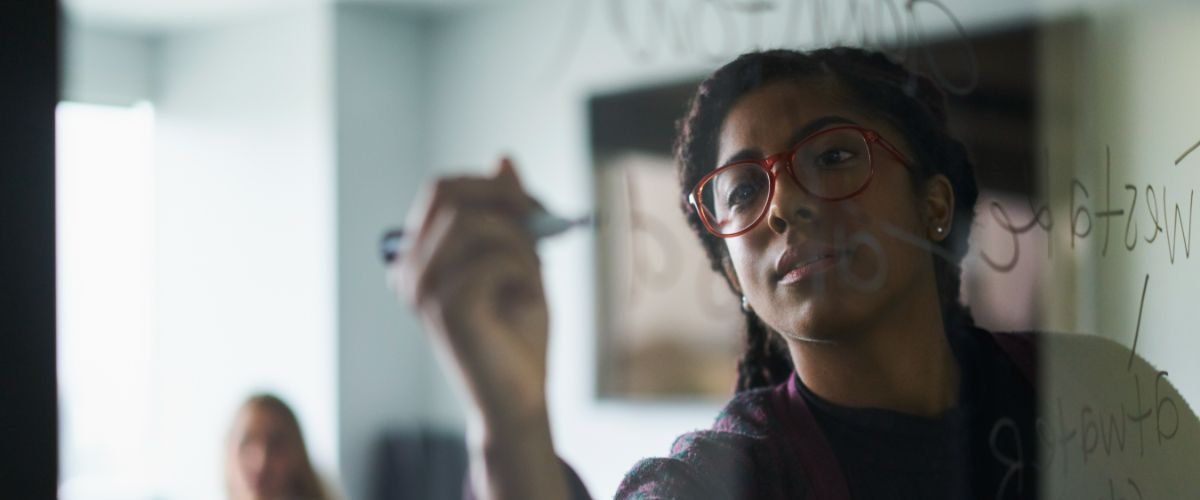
1137,329
657,233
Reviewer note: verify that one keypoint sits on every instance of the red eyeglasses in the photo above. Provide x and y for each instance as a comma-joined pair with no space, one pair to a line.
832,165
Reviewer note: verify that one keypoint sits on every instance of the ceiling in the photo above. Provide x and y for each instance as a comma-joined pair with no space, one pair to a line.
155,16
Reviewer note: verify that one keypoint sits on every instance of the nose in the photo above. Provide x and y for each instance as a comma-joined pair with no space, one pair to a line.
254,460
791,205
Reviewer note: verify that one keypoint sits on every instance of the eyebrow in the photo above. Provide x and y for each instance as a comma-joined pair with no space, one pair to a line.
797,136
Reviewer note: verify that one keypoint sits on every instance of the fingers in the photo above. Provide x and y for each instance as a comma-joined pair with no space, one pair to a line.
500,193
507,172
465,245
471,256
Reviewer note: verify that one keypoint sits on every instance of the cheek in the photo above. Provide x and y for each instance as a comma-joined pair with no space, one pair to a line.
744,257
889,207
250,457
888,240
279,466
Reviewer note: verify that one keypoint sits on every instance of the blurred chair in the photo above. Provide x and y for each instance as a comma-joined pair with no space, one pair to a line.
418,465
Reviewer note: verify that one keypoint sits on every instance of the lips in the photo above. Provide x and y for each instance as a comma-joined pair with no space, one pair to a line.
801,261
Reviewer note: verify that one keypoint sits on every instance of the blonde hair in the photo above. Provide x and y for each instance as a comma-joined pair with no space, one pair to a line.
304,484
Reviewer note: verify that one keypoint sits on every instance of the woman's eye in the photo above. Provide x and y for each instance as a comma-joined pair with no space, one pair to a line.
741,194
833,158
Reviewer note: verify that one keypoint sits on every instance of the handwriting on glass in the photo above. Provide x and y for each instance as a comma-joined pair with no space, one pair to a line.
1160,212
1141,415
719,30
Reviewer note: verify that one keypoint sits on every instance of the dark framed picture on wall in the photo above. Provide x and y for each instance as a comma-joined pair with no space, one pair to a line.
668,324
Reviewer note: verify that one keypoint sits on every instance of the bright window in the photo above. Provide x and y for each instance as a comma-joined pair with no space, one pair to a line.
105,201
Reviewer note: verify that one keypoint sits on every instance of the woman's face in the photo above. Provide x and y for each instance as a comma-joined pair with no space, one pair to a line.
845,269
264,455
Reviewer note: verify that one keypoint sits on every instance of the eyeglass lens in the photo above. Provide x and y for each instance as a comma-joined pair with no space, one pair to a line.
829,165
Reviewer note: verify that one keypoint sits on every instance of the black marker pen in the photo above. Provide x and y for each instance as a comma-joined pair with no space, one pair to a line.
539,224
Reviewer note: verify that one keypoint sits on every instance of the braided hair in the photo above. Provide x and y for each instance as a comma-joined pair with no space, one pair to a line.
909,102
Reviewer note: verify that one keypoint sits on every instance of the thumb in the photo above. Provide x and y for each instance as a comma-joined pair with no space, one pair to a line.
508,172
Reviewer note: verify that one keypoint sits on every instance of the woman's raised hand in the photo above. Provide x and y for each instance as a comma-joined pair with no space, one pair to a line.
472,274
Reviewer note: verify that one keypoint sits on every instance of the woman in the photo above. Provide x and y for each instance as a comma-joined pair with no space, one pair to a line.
265,455
825,188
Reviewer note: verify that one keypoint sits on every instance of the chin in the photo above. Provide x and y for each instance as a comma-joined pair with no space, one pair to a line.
816,332
268,492
821,318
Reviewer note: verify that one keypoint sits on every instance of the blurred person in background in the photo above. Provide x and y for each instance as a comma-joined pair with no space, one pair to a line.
265,454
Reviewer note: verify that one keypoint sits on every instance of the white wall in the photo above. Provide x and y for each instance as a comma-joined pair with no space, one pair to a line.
287,142
246,229
386,377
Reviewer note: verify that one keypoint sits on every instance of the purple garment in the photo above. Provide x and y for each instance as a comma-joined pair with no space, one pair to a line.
746,454
767,443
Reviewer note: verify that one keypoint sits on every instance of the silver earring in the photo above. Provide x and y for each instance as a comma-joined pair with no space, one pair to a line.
940,229
746,304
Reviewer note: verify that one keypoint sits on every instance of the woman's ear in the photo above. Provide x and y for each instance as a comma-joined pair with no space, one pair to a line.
939,207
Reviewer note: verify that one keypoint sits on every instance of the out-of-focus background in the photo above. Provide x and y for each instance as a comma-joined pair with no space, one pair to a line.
226,167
